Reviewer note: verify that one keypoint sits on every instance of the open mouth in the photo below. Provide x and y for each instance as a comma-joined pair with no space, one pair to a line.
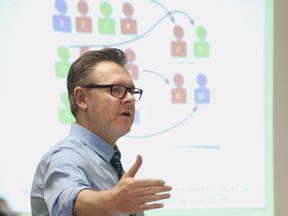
128,114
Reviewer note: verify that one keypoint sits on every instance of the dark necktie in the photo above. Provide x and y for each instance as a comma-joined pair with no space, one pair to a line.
116,162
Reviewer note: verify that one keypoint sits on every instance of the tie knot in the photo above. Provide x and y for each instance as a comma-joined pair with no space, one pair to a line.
116,160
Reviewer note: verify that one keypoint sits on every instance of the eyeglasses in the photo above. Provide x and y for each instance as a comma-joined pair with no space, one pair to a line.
119,91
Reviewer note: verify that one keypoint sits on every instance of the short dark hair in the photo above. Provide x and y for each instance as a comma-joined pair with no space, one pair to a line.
81,69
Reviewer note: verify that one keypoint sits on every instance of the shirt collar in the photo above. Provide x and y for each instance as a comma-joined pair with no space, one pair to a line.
101,147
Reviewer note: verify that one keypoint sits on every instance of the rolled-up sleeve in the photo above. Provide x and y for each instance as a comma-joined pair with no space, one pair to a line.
64,179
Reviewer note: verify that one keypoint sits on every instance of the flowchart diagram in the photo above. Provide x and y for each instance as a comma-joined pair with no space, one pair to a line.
193,87
123,25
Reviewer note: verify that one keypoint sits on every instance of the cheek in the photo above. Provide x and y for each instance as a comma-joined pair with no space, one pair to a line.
104,109
97,109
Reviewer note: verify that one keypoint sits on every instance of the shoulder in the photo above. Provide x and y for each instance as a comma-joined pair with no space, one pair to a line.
69,150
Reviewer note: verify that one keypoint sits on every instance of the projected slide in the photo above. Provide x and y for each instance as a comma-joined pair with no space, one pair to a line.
201,122
192,125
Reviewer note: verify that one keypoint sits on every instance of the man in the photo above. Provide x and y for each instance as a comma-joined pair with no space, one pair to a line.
77,177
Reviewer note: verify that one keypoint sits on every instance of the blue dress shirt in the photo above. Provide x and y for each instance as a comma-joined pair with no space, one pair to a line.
79,161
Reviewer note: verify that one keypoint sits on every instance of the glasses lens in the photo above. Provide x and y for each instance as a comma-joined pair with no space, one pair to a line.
137,94
118,91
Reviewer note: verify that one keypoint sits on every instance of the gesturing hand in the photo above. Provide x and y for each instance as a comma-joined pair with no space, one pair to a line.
134,195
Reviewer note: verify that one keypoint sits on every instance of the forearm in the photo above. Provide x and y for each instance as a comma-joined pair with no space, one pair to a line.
94,203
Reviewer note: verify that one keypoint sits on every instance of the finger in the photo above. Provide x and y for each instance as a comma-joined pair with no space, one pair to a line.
156,189
149,206
155,197
134,169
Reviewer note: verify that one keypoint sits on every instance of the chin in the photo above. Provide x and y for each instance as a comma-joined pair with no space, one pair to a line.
127,131
123,131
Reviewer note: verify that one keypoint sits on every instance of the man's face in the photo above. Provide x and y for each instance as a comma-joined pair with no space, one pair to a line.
108,116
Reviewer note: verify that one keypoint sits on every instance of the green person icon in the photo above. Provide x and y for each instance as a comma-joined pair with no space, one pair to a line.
106,25
201,47
64,114
62,66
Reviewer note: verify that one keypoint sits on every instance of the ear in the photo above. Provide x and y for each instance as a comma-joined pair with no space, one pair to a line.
80,99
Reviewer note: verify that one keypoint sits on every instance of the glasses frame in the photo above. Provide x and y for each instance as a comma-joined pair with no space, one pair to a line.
131,90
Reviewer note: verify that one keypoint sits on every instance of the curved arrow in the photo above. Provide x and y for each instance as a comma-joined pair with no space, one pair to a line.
166,10
167,129
138,37
166,80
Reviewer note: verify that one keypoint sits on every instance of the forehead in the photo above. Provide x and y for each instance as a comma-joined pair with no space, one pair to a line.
110,72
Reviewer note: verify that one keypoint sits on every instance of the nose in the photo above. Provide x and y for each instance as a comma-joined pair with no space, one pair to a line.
128,97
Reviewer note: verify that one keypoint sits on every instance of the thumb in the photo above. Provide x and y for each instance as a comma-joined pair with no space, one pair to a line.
135,167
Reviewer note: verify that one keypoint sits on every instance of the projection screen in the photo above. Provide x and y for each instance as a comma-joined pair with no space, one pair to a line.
204,123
